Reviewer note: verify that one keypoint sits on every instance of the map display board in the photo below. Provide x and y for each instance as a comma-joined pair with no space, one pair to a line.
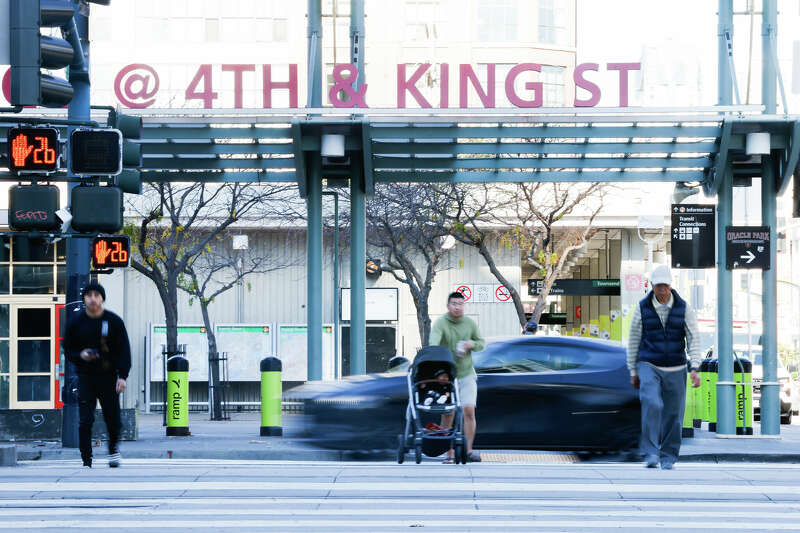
246,345
293,351
194,337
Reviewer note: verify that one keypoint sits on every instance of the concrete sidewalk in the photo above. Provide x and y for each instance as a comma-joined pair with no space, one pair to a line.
239,438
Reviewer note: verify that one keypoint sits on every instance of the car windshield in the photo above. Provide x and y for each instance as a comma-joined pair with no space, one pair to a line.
518,357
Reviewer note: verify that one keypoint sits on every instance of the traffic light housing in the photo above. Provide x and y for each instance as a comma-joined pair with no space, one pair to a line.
31,51
130,126
33,150
95,152
33,207
96,209
110,251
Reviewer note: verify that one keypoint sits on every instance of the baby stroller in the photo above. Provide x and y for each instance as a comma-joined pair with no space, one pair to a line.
429,397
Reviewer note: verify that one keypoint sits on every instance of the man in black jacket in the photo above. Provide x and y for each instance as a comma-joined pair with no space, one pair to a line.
97,343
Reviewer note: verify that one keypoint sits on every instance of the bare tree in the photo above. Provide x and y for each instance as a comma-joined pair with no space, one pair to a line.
405,231
176,222
528,216
547,244
216,270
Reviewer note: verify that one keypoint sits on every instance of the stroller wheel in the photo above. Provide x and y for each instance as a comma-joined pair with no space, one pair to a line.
418,453
458,448
401,449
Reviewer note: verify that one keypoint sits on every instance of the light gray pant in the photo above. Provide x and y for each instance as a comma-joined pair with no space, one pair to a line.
663,398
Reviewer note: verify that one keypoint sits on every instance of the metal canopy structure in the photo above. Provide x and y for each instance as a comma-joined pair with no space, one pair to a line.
464,145
469,146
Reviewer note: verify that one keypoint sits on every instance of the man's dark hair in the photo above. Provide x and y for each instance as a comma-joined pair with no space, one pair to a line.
455,294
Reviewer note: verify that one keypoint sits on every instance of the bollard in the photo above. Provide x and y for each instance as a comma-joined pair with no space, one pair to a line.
711,393
702,402
177,401
271,391
697,395
687,428
742,373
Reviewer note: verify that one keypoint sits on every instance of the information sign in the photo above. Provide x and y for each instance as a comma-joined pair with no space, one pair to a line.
693,236
196,341
577,287
245,345
747,247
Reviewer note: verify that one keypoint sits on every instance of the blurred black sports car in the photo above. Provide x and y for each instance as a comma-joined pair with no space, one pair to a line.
557,393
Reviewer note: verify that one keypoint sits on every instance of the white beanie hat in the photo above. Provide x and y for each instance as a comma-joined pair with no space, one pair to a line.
661,274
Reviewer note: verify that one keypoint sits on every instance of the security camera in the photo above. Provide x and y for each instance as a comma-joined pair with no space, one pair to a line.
65,217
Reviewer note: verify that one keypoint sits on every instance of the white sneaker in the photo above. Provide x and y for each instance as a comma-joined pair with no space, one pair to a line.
114,460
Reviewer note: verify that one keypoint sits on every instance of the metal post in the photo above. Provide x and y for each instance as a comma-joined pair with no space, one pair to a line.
314,53
77,249
357,39
336,343
358,215
726,425
770,406
314,201
314,268
358,256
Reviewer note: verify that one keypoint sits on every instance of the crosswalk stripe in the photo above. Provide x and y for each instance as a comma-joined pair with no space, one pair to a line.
678,487
519,514
64,501
374,524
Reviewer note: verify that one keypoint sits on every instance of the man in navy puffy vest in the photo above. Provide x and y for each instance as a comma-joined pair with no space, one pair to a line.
662,328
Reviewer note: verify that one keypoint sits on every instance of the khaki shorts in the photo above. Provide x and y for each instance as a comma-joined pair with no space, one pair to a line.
468,390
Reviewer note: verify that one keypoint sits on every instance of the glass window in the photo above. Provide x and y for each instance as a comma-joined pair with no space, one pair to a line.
33,388
497,20
4,320
32,250
552,22
528,357
33,356
212,30
34,322
280,30
5,286
553,86
61,279
33,279
4,386
61,250
4,366
5,249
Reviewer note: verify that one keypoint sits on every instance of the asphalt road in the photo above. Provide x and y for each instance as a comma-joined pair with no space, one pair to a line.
213,495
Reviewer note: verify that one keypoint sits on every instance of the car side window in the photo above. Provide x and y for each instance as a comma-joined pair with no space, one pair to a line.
525,357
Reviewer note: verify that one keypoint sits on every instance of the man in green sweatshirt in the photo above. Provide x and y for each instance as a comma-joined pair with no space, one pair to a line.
460,334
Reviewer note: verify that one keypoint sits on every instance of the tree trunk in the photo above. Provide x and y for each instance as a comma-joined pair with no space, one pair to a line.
213,367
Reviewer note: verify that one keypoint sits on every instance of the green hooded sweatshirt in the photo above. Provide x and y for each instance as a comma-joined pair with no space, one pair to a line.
447,331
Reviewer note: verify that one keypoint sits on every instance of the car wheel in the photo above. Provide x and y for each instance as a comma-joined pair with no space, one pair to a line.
401,449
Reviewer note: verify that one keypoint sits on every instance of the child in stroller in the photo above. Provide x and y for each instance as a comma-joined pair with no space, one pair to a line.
432,392
435,391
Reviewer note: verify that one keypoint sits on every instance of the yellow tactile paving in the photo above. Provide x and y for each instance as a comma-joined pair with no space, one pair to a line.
529,457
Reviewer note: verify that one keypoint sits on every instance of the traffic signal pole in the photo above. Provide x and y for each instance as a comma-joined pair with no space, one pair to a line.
770,400
358,214
314,201
78,248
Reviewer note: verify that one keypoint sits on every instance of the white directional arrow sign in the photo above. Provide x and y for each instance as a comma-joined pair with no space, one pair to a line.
749,256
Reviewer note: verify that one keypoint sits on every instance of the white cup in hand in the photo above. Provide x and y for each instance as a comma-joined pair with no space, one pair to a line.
461,348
